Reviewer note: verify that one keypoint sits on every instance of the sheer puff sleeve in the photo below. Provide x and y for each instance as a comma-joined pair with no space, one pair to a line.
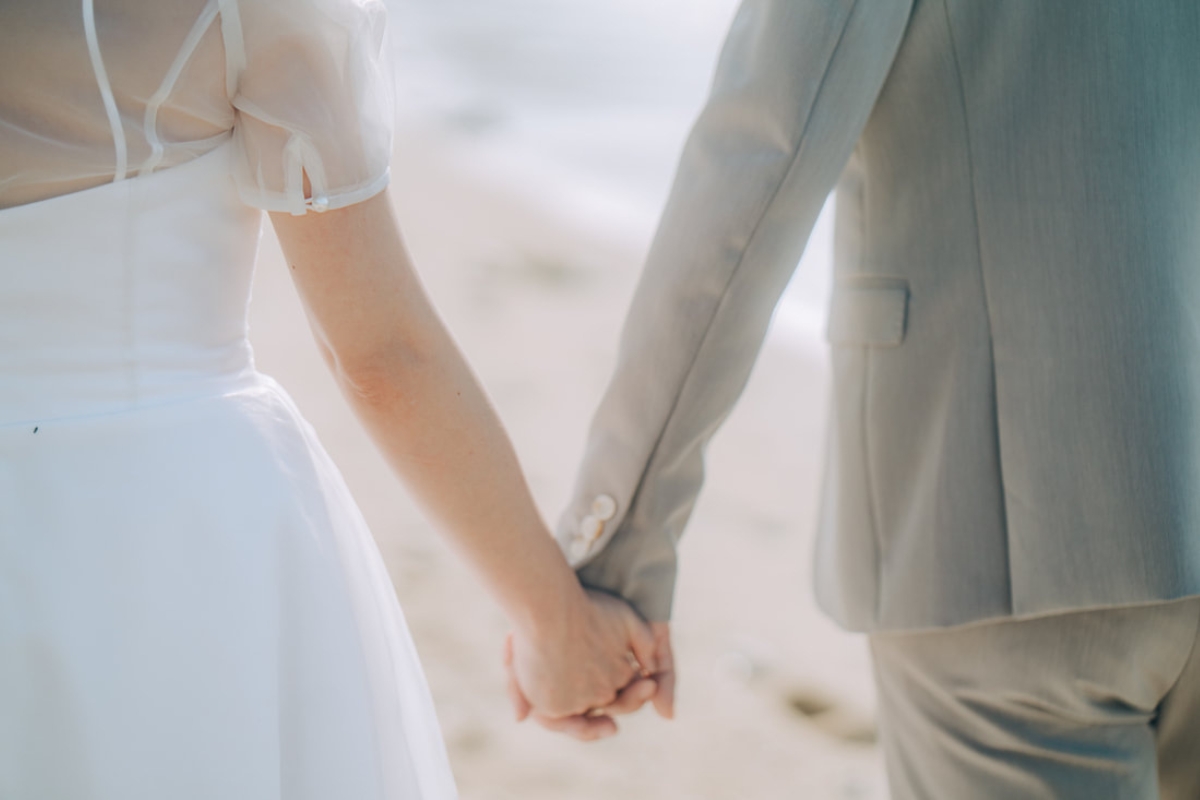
313,93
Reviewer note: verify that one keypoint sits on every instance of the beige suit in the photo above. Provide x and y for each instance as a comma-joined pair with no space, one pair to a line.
1015,331
1015,323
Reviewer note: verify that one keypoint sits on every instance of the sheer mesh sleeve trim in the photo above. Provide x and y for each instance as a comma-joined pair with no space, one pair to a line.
299,156
313,98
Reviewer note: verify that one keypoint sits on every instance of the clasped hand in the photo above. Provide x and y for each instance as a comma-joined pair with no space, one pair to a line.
599,661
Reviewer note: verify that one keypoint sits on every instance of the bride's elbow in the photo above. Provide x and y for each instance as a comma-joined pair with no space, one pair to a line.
382,376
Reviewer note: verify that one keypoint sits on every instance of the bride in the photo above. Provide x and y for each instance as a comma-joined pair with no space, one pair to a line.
190,603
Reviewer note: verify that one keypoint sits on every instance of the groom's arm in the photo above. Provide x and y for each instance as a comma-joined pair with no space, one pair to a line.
794,87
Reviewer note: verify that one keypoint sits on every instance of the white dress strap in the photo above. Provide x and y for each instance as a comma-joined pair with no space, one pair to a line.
235,45
110,105
197,32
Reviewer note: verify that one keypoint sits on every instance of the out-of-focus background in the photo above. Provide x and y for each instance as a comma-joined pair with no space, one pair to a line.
536,140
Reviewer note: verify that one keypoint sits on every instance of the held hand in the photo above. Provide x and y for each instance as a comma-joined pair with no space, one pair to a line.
664,697
599,723
658,688
580,663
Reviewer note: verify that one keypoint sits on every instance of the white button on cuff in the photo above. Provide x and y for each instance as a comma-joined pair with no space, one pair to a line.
320,203
590,528
604,507
577,551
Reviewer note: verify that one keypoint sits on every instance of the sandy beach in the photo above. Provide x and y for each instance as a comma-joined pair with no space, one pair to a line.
774,701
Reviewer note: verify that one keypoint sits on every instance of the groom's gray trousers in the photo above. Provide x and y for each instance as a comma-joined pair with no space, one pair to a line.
1091,705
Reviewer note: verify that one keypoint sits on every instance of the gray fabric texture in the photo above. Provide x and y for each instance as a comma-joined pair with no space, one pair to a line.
1015,325
1091,705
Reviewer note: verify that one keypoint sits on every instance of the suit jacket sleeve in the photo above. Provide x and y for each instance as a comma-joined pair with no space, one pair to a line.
794,87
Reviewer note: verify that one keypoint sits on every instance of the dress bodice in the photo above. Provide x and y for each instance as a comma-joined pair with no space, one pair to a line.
125,295
104,90
139,142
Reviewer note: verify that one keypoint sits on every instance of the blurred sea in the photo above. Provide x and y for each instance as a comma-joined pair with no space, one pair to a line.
584,104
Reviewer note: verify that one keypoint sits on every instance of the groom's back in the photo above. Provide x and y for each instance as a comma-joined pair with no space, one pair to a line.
1025,201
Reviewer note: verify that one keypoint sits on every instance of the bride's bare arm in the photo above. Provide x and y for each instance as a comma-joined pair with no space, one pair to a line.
412,389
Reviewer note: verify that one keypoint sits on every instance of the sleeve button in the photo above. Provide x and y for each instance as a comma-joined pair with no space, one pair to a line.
590,528
604,507
577,551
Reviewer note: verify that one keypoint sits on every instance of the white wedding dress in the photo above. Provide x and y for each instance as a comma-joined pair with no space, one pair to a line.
190,603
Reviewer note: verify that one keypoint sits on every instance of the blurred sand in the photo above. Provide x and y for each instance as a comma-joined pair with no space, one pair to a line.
775,702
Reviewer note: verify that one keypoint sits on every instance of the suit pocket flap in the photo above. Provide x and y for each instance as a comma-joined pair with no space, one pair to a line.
868,311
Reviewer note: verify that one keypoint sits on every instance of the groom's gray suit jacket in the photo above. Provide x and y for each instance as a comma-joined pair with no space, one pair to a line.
1015,323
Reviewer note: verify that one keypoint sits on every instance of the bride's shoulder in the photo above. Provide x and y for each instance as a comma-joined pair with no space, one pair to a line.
297,13
312,86
292,29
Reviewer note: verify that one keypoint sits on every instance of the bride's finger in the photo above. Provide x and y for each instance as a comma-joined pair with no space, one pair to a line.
508,650
520,704
632,697
584,728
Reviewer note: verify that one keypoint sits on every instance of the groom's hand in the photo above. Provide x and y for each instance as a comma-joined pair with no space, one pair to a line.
664,697
580,664
658,687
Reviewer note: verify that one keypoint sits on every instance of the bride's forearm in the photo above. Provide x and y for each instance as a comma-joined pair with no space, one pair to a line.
432,421
414,392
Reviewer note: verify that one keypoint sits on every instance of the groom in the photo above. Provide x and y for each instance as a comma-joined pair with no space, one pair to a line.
1012,503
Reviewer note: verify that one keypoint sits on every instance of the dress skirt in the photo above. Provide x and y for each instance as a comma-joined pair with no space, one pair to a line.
191,606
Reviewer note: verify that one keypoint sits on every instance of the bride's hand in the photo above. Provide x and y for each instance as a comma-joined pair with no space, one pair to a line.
599,723
581,662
